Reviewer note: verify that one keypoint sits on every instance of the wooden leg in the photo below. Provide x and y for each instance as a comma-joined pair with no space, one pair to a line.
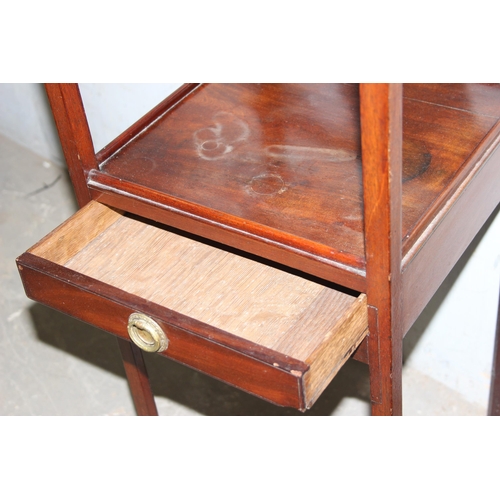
381,107
138,379
494,406
385,355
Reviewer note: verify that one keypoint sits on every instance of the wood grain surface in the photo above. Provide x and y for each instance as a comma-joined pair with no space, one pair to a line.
74,134
283,172
75,233
382,126
273,316
235,294
288,158
255,369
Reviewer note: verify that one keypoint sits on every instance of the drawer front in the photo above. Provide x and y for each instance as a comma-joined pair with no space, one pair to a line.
233,361
270,331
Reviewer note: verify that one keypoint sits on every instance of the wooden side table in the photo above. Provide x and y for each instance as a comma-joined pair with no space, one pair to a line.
265,233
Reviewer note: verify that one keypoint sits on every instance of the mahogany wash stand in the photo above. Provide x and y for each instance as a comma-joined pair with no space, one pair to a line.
265,233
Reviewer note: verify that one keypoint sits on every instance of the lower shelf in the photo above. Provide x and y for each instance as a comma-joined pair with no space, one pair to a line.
269,332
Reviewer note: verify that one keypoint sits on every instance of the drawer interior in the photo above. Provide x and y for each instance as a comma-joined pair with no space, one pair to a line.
280,313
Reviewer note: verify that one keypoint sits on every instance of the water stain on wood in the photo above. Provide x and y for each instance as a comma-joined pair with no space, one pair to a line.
220,139
268,184
308,153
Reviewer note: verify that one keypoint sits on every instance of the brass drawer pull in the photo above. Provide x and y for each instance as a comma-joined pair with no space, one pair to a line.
146,333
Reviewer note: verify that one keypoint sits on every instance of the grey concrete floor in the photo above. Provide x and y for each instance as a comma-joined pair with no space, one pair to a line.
51,364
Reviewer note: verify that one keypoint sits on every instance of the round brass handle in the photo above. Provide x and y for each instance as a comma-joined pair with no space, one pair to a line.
146,333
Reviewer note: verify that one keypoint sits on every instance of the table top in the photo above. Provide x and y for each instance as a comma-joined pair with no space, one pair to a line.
284,161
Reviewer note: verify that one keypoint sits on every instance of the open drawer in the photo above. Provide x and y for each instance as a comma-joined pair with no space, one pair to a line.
270,332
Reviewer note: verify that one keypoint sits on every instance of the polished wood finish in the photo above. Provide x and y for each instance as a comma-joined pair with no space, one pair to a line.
258,160
381,133
74,133
285,168
252,239
303,326
449,234
209,350
378,188
144,122
477,98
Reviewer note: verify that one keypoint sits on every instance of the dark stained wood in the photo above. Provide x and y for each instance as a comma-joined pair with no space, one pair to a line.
226,357
145,121
449,234
282,163
276,156
78,148
478,98
385,205
268,306
116,321
138,379
462,156
291,251
76,141
494,402
381,125
74,133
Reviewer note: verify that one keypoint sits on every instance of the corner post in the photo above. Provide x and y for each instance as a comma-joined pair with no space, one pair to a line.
74,134
381,143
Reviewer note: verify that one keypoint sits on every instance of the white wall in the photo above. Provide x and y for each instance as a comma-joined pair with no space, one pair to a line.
25,115
125,103
452,341
25,118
